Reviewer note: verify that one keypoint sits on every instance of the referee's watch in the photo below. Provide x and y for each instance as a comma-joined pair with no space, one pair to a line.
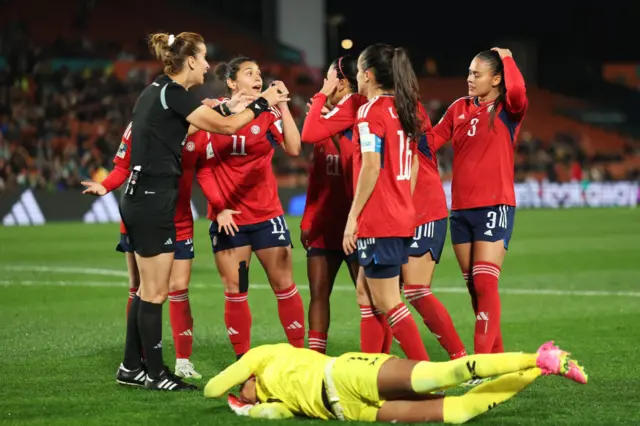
259,106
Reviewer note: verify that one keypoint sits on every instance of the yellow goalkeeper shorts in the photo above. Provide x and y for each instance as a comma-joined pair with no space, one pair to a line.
355,377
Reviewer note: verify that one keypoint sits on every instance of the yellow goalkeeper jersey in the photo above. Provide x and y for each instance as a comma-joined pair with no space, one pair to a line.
292,376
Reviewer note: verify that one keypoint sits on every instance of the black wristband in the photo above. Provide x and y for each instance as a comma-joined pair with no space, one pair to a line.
226,109
218,109
259,106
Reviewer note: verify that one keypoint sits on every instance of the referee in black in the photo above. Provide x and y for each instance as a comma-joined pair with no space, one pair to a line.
163,115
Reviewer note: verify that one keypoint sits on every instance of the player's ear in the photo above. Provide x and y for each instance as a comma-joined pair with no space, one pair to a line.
232,84
497,79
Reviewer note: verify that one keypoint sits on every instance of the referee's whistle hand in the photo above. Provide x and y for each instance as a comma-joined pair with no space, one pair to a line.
93,188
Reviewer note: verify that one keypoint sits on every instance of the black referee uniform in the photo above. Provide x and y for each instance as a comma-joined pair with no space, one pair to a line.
158,133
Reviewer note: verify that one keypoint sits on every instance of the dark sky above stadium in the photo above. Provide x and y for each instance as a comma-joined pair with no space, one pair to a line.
592,30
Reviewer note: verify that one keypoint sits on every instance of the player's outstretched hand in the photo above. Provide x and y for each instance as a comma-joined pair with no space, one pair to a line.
225,221
349,241
274,95
330,83
93,188
304,237
504,53
240,100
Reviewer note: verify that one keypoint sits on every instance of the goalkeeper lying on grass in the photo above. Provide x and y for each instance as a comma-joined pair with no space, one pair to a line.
280,381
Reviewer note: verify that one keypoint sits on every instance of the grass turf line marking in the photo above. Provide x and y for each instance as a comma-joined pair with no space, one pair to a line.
195,284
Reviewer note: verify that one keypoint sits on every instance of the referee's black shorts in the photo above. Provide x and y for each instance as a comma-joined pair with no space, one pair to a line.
148,215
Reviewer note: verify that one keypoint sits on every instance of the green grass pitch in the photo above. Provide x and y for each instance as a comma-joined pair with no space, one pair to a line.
570,275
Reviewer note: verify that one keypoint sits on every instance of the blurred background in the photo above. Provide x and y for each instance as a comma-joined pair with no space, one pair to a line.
70,72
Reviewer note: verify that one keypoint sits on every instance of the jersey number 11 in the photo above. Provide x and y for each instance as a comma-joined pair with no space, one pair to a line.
238,148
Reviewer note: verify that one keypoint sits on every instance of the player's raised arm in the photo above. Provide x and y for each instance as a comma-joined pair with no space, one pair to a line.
286,125
516,96
338,86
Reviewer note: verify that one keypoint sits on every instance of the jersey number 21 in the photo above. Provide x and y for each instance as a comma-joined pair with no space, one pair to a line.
405,157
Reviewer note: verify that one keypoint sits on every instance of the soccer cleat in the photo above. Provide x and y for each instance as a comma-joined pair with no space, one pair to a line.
576,373
167,381
552,360
186,370
573,370
135,377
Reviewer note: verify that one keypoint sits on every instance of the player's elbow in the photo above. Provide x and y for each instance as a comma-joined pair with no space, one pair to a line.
293,151
309,136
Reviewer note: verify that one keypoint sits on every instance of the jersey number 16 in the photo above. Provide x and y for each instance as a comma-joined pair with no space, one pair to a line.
405,157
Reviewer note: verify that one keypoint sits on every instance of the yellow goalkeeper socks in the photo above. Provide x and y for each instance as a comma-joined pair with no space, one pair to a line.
459,409
429,376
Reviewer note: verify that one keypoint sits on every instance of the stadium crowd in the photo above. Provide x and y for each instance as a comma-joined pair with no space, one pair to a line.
59,126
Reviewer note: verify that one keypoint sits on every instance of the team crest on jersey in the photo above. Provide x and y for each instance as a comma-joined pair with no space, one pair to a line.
255,129
122,150
191,146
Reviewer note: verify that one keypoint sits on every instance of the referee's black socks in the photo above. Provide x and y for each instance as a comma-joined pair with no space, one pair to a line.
150,325
133,345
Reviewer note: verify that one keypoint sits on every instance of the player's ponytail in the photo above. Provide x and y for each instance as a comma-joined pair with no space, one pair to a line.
407,92
229,70
173,50
393,71
493,61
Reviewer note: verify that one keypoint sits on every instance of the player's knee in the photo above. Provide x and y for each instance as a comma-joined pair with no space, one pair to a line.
231,284
178,283
280,280
155,296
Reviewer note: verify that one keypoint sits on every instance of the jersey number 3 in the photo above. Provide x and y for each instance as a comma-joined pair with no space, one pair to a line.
238,145
405,158
472,130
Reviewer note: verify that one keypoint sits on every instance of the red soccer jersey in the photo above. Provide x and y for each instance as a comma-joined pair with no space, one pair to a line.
428,196
191,152
330,189
241,167
483,167
389,211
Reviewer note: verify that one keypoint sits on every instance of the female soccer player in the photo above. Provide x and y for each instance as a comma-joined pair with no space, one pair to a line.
161,119
330,190
483,128
382,218
239,165
280,381
425,250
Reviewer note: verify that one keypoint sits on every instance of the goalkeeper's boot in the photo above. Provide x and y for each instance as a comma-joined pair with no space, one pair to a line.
574,370
135,377
167,381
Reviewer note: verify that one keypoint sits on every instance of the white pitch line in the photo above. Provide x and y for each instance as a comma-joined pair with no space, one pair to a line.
258,286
